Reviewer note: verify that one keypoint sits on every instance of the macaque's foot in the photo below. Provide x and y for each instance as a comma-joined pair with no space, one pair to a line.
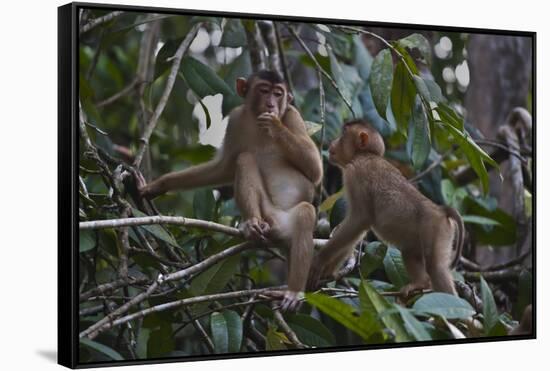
255,229
292,301
412,289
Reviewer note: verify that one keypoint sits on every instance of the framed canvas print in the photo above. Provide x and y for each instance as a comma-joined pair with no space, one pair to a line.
237,185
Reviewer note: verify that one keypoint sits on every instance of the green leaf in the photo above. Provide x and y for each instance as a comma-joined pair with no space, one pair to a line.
234,329
312,127
204,204
227,331
418,41
380,80
362,59
490,311
103,349
341,312
311,331
448,115
234,35
160,342
505,233
445,305
216,277
202,79
275,340
168,50
373,258
395,268
476,219
525,292
435,91
419,136
156,230
386,312
86,240
413,325
338,212
329,202
403,92
196,154
206,113
422,88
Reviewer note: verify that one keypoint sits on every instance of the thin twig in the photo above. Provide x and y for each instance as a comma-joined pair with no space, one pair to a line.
182,49
320,68
290,334
125,91
432,166
97,21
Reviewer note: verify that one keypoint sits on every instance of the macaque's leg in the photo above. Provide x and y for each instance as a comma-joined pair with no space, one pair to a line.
249,197
302,224
215,172
413,258
437,263
338,248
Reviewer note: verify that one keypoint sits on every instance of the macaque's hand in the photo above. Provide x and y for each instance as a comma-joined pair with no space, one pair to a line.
270,123
292,301
142,185
255,229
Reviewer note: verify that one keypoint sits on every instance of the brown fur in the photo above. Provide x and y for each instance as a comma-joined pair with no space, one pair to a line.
381,199
274,166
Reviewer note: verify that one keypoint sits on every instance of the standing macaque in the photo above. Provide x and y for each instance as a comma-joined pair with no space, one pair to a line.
274,167
381,199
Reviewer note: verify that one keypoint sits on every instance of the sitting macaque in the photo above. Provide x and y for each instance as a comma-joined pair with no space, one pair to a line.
273,166
382,200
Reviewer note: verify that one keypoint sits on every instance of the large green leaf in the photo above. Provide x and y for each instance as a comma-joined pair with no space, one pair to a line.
227,331
386,311
418,142
476,219
160,342
343,313
413,325
403,92
373,258
490,311
234,35
156,230
418,41
380,80
445,305
395,268
310,331
202,79
338,212
204,204
502,234
86,240
275,340
103,349
216,277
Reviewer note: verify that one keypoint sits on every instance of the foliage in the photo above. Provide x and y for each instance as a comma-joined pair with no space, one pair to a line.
407,106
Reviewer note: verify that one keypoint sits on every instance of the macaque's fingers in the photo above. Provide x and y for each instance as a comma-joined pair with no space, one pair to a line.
253,229
291,301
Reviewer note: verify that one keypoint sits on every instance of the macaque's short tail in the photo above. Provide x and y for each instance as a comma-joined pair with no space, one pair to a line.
459,240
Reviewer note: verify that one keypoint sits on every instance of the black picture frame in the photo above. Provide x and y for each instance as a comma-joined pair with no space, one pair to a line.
68,158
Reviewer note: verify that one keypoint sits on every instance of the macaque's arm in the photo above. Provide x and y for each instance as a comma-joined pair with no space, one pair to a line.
298,148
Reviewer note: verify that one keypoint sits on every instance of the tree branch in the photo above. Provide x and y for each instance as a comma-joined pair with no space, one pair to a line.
97,21
182,49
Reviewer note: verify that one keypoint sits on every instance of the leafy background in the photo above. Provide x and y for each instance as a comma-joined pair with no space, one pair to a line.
414,86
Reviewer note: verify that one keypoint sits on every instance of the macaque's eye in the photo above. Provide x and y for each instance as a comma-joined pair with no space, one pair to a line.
264,90
278,93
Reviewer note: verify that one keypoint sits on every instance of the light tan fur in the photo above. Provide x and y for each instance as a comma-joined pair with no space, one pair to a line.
382,200
274,166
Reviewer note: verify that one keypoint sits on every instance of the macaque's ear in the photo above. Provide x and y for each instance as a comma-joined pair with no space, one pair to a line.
289,97
241,87
363,139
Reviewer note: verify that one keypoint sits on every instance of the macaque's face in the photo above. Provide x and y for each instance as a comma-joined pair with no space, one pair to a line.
263,96
342,150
